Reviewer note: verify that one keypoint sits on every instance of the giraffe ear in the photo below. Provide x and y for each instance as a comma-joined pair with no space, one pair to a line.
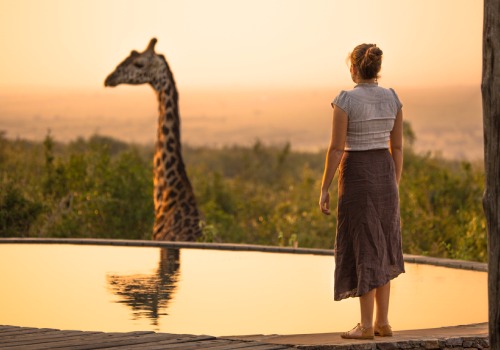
151,46
134,53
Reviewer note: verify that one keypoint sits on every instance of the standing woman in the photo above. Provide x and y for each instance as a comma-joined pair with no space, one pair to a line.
367,143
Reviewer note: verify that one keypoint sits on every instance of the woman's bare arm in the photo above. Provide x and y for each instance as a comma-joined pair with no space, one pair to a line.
333,156
396,144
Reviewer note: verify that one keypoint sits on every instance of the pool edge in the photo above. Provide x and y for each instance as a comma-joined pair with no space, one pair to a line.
417,259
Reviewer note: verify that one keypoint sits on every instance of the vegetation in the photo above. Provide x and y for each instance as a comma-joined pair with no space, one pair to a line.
264,194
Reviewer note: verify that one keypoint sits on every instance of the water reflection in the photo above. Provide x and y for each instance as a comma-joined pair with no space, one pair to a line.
148,294
122,289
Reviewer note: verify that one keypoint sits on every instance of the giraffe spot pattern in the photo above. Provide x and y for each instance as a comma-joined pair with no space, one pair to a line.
170,144
179,186
172,182
175,129
186,208
182,195
171,205
170,174
170,163
177,218
160,228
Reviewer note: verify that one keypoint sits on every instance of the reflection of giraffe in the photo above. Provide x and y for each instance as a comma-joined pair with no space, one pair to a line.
148,294
177,216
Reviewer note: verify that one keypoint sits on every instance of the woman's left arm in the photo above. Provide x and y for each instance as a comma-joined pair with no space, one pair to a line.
396,145
333,156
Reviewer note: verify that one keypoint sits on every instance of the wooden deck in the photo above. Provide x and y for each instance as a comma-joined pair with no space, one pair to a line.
466,337
24,338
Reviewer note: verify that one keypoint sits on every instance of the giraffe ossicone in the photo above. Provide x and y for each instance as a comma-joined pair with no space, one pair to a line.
177,215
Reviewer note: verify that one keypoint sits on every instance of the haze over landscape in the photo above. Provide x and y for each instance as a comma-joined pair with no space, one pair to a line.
245,70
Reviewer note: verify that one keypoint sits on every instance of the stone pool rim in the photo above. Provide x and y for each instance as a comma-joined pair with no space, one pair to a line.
416,259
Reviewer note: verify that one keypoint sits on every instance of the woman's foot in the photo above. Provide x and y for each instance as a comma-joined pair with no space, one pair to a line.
358,332
383,331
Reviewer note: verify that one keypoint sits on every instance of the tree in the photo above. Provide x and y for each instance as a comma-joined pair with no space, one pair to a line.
490,88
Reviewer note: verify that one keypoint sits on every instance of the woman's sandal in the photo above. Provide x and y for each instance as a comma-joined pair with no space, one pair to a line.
366,333
383,331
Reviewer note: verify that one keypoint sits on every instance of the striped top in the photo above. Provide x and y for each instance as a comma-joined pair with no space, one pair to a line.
371,111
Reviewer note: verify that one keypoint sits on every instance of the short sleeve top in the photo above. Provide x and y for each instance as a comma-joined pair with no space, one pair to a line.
371,111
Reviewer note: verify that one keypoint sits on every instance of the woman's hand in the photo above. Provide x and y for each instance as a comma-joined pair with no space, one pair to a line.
324,202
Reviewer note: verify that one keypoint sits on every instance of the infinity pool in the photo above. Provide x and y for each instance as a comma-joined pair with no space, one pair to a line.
200,291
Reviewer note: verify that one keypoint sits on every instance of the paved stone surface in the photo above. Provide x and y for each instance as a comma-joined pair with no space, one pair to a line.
459,337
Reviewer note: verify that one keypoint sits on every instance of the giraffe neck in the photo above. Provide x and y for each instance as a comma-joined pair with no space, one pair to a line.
177,216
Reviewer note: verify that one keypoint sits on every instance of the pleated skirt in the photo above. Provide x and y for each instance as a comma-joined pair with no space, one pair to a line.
368,247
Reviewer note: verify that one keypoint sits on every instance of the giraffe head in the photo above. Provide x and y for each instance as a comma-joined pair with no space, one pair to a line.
138,68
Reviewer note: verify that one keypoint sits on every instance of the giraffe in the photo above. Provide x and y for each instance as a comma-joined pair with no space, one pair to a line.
149,294
177,216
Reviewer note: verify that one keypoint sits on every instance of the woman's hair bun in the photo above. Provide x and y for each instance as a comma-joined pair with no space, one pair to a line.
368,60
374,52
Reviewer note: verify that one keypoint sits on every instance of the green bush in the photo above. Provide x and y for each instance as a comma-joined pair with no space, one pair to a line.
17,211
264,194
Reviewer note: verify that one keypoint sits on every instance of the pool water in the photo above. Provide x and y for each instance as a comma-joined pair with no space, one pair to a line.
199,291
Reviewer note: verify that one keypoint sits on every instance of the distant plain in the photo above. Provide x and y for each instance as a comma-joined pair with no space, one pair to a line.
446,121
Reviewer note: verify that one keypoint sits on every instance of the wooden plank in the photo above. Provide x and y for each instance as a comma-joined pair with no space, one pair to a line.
94,341
22,330
268,347
29,339
208,344
203,344
238,345
4,328
271,347
166,343
115,341
231,344
9,336
215,344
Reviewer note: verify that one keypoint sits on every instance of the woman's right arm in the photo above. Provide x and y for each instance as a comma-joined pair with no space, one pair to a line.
396,144
334,156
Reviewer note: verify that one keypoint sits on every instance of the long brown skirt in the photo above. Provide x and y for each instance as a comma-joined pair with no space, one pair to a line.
368,251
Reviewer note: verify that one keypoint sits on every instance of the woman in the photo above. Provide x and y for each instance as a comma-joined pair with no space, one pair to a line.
367,143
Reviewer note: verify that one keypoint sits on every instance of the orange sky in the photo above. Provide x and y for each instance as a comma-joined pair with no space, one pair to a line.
240,43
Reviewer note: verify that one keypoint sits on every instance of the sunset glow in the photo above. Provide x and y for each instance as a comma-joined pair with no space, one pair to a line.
245,70
59,43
